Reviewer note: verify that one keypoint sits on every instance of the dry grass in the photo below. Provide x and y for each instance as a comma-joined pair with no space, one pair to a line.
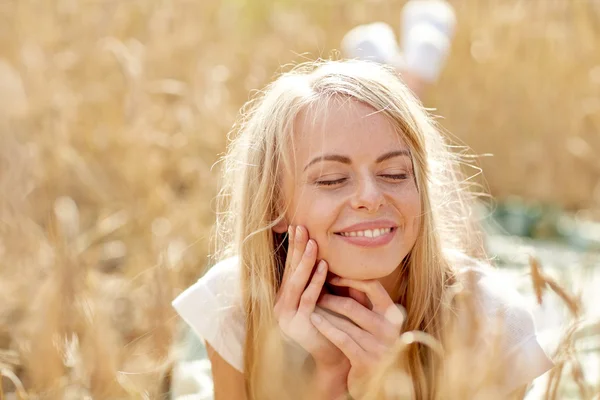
474,369
113,112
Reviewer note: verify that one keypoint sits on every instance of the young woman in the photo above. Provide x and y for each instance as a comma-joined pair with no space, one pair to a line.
344,223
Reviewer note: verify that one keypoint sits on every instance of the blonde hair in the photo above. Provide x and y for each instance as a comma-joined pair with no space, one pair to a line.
251,204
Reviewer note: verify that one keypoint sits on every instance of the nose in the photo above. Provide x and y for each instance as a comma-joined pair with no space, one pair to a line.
369,196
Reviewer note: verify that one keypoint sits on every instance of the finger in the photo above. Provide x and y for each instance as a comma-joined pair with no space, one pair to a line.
300,276
298,247
309,298
360,297
342,340
290,252
366,319
378,296
369,343
286,269
372,288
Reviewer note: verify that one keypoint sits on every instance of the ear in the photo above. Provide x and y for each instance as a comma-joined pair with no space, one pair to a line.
281,226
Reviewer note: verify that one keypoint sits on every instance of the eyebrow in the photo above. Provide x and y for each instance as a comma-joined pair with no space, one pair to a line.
346,160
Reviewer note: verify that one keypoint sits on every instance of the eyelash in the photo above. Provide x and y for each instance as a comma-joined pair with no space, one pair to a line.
398,177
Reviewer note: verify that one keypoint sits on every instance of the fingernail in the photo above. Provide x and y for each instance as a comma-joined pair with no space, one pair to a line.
321,267
335,279
310,246
316,318
298,233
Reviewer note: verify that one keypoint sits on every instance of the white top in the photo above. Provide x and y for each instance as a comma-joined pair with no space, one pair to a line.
212,307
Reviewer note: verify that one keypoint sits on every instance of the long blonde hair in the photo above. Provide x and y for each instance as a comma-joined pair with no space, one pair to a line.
251,205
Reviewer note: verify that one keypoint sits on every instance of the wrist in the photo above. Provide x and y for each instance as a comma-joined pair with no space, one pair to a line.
330,382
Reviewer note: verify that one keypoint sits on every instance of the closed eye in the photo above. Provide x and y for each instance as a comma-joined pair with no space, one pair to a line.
331,183
397,177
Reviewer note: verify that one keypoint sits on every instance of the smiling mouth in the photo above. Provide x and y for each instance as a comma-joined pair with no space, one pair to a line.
369,233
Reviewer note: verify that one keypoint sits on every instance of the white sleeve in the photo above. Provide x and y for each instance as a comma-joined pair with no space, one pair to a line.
525,356
213,309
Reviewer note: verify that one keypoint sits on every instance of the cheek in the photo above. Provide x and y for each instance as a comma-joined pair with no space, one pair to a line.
413,205
317,213
311,204
408,203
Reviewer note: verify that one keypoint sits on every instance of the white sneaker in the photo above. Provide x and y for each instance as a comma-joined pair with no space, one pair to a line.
427,28
375,42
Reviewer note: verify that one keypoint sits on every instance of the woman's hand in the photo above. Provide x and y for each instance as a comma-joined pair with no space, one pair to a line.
370,335
296,302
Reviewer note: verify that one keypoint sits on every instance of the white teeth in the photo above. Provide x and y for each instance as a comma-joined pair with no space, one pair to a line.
371,233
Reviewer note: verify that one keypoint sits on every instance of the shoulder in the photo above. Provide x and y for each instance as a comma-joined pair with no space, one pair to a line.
224,278
493,290
219,286
212,307
502,306
496,297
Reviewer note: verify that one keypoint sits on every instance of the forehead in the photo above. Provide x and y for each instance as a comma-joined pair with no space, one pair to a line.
345,126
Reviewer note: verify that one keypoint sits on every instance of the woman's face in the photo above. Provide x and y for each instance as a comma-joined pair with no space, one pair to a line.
353,188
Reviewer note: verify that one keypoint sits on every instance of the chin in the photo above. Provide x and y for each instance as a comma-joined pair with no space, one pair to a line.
363,272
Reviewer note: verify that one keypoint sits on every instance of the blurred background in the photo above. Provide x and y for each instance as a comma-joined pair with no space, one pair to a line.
114,112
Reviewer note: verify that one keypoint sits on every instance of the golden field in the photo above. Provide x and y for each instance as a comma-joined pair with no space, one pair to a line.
114,112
